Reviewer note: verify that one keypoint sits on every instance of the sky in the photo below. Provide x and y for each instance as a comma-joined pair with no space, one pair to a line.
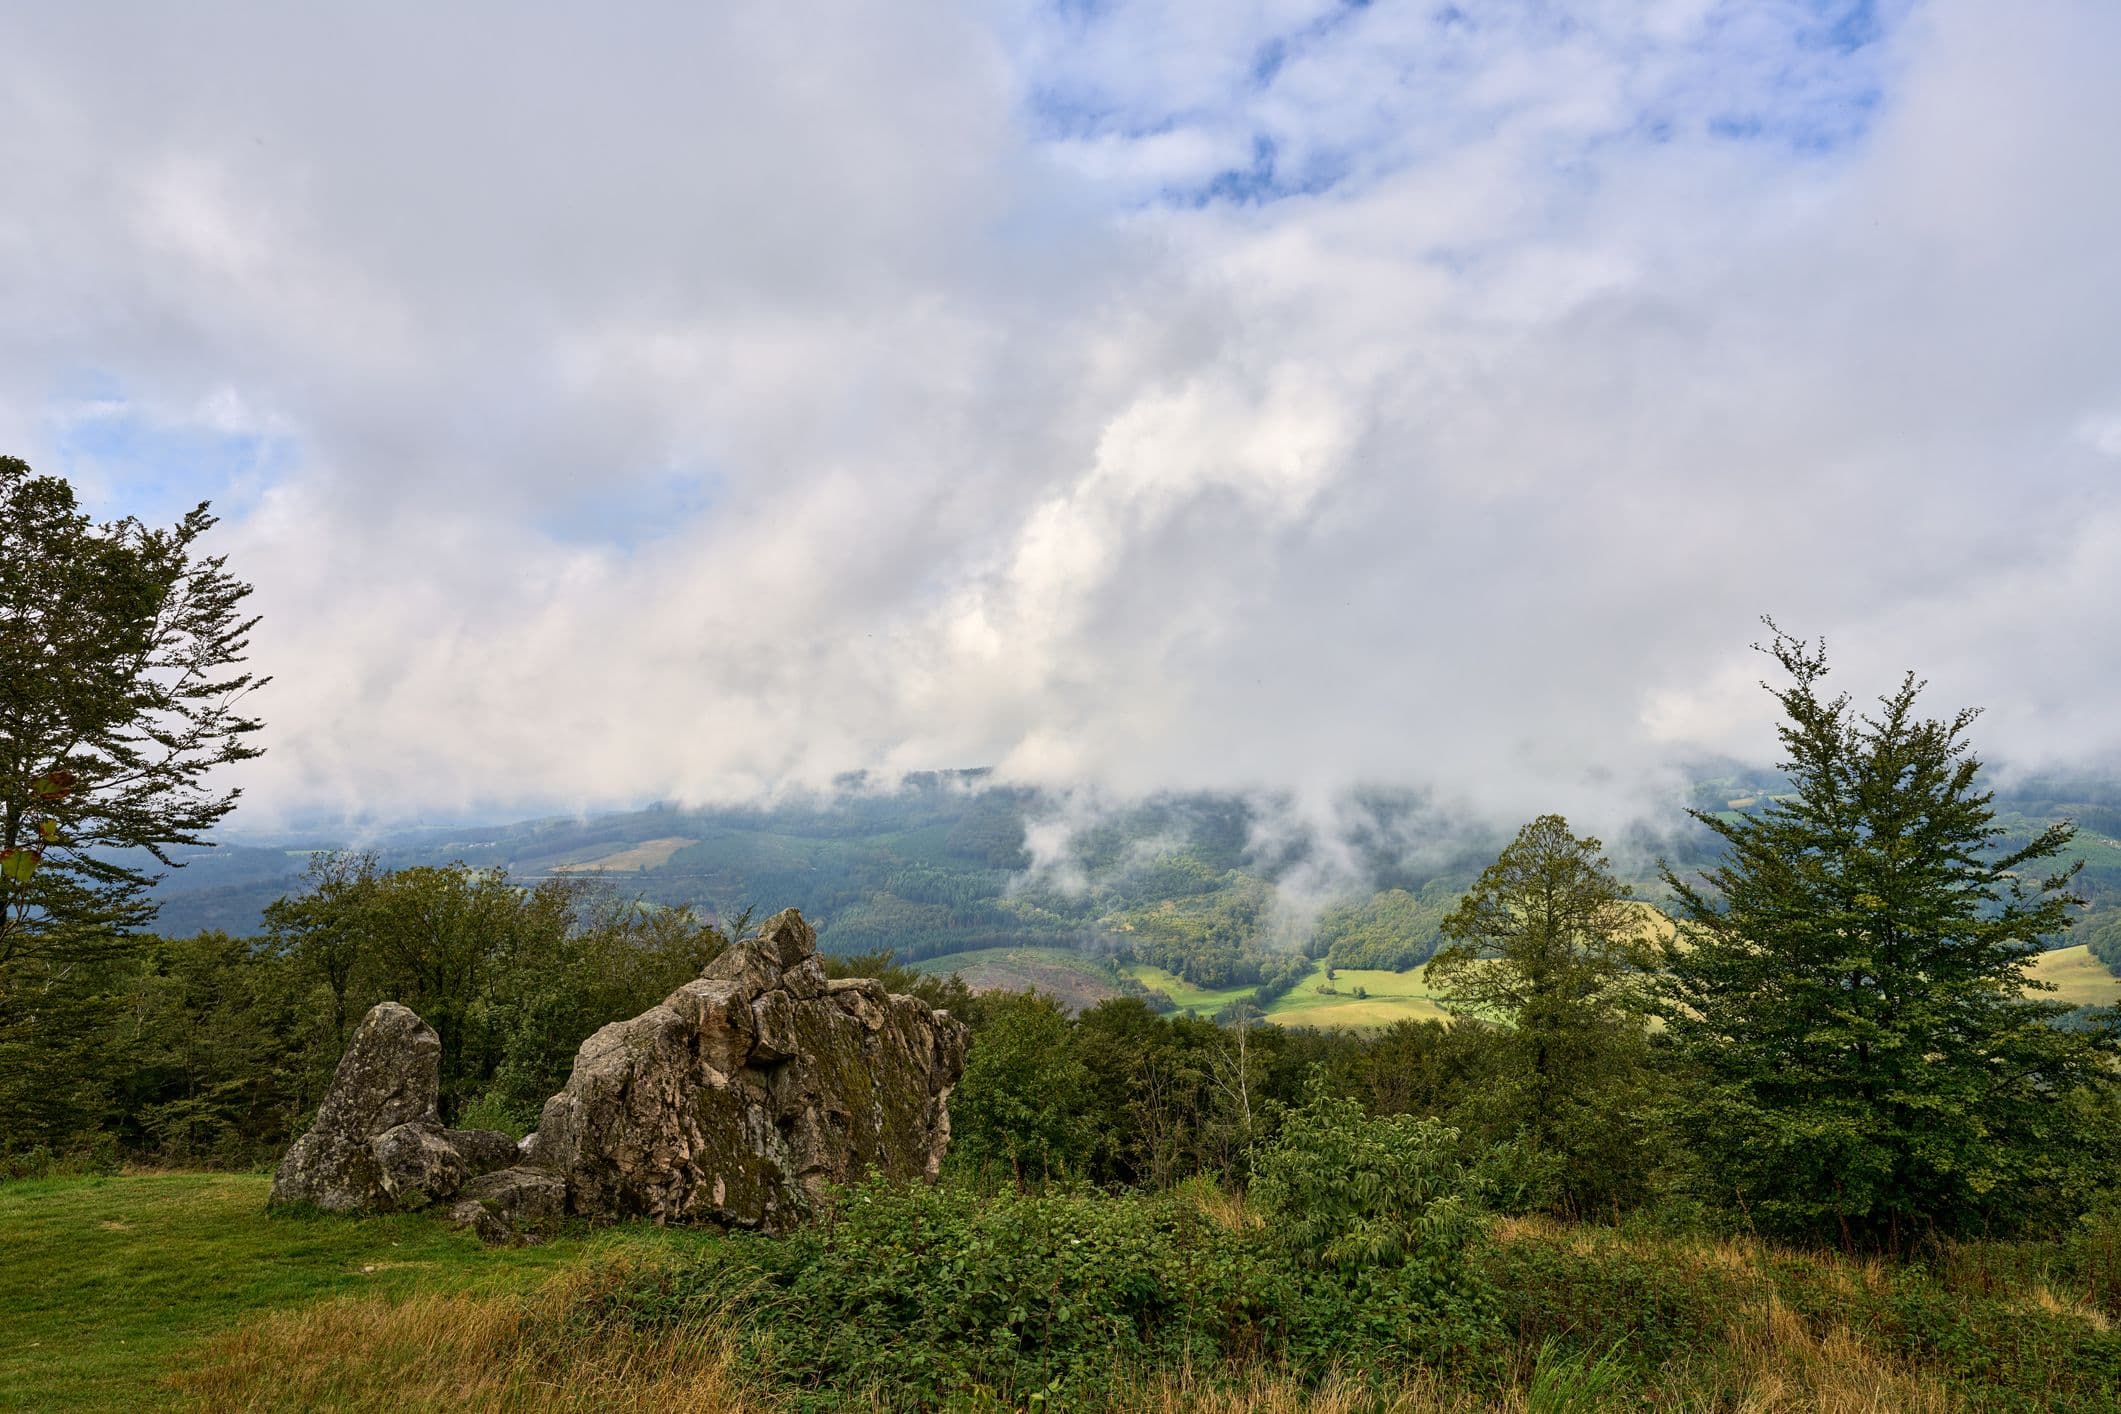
644,401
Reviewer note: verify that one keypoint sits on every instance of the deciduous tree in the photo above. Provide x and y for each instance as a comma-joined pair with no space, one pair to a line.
1850,983
120,695
1548,944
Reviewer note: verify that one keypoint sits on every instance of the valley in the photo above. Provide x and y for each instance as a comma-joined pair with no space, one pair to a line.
1178,898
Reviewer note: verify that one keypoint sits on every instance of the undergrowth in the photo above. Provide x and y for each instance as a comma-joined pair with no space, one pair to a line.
151,1291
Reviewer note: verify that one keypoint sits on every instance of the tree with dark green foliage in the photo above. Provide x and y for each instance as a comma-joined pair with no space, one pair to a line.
511,978
1548,945
2103,941
119,695
1848,985
1020,1107
217,1043
120,692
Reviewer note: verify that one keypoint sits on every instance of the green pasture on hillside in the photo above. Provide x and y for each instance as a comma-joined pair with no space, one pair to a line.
1205,1000
2079,978
105,1281
1074,978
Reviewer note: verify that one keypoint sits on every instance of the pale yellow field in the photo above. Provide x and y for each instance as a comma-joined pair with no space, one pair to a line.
1656,925
2080,979
1393,996
648,854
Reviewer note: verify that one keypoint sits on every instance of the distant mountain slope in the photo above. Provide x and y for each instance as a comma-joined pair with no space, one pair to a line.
1220,893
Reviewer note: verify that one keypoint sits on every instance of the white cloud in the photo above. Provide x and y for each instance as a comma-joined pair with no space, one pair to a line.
1270,395
2102,435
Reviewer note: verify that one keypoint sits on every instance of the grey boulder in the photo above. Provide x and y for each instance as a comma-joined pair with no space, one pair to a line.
745,1093
378,1143
737,1101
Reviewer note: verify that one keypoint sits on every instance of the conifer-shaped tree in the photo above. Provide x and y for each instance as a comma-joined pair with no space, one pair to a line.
1849,984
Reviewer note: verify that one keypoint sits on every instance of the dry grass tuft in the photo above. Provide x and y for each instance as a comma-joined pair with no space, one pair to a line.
2045,1298
1227,1210
1784,1367
483,1352
1267,1393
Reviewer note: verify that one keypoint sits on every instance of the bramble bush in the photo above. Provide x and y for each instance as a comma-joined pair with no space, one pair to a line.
1382,1216
1360,1261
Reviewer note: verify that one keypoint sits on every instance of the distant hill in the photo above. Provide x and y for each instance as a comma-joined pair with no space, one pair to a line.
1177,887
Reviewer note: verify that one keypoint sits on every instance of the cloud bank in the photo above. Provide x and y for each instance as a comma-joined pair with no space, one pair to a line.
696,402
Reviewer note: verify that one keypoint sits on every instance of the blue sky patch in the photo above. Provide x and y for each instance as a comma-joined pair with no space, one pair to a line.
630,512
125,461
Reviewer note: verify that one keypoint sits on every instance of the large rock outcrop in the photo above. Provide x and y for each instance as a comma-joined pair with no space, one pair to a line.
378,1143
746,1092
734,1101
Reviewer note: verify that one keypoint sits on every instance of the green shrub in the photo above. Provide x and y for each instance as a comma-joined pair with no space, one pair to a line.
98,1154
1998,1354
495,1110
1383,1214
1556,1296
924,1294
920,1296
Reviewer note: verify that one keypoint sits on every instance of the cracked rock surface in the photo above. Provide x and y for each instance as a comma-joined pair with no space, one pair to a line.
745,1093
378,1144
736,1100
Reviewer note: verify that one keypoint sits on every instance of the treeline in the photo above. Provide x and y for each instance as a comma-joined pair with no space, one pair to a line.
1393,931
215,1050
2104,941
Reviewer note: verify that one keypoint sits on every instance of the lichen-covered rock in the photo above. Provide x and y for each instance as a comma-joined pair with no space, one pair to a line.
740,1096
736,1100
378,1143
484,1223
527,1199
388,1077
416,1166
483,1150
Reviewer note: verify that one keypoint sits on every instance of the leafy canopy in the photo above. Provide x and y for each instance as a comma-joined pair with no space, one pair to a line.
1546,939
120,694
1549,944
1849,984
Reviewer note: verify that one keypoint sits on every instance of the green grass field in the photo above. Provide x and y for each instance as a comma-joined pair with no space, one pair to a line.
1081,981
178,1291
1204,1000
106,1282
1392,996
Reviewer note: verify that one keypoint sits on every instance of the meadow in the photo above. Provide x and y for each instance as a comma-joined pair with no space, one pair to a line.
1315,1000
2079,978
1359,999
1074,979
1333,1003
107,1283
1202,1001
165,1290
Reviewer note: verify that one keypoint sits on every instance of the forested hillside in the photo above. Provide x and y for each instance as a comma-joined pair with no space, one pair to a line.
1182,884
